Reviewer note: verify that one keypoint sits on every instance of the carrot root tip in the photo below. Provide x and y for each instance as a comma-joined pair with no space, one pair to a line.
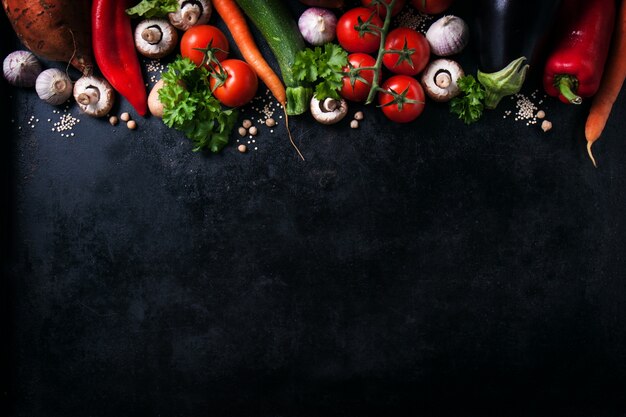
593,160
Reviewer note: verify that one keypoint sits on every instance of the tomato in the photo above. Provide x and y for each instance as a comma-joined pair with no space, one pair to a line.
382,10
431,6
355,89
406,62
202,43
399,88
240,84
350,38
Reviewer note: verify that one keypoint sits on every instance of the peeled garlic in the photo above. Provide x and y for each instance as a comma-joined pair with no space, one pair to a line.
448,36
54,86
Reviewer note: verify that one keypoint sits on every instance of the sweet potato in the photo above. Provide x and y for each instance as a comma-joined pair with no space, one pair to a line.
55,30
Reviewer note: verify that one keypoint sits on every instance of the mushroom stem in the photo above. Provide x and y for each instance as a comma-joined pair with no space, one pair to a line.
443,78
152,35
191,13
329,104
91,95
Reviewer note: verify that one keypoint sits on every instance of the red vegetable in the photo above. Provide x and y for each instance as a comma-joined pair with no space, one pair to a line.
235,84
411,51
356,85
114,51
575,66
358,30
401,98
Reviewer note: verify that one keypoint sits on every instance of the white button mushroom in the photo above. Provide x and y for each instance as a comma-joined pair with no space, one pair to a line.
94,95
190,13
328,111
155,38
440,79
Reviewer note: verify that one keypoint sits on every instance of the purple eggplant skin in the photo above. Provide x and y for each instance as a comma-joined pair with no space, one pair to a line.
509,29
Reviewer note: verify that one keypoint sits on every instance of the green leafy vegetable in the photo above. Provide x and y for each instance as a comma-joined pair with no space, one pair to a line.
470,104
190,107
322,68
153,8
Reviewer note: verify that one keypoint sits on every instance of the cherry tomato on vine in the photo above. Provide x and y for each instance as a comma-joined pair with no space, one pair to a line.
413,55
354,40
382,10
201,43
238,87
402,98
431,6
354,88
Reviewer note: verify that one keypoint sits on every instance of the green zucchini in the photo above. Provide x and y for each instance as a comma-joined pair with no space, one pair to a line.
280,30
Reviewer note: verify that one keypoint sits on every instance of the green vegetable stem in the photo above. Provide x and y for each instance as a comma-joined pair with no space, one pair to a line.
505,82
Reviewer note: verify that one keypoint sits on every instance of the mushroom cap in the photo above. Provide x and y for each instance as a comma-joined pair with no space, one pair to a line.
328,117
104,104
433,90
164,47
178,19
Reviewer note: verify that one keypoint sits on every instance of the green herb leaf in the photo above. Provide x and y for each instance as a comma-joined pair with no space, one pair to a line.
469,105
153,8
190,107
322,69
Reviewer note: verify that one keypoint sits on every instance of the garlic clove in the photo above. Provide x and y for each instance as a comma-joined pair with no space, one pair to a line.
21,68
54,86
448,36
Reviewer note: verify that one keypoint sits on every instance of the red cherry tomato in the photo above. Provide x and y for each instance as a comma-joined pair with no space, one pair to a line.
393,106
354,88
353,40
415,51
382,10
431,6
202,42
240,85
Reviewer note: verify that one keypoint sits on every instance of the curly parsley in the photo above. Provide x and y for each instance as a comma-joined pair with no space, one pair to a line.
469,105
153,8
190,107
322,68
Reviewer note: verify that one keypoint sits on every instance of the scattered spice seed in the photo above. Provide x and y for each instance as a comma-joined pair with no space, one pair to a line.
358,115
413,19
242,148
354,124
242,131
270,122
540,114
253,130
125,117
246,123
113,120
131,124
546,125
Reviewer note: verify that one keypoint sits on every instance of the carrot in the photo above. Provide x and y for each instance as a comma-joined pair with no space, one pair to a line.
239,29
611,84
236,22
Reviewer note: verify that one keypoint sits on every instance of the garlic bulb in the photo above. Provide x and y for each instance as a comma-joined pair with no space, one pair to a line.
54,86
448,36
21,68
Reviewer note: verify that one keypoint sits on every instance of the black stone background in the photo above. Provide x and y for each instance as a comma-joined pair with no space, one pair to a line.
424,269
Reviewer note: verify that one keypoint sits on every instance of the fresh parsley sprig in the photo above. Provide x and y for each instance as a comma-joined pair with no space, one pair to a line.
322,68
190,107
153,8
469,105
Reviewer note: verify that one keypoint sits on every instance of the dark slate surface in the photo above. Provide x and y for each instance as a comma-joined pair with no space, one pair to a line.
426,269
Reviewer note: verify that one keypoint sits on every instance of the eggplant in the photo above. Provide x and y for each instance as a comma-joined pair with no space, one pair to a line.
509,34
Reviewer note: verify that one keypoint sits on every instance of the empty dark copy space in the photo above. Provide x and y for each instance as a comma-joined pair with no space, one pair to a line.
432,268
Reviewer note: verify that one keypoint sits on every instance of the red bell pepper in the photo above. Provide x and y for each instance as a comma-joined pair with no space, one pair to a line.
114,51
583,35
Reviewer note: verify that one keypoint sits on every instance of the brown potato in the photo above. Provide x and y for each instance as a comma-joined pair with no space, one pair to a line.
56,30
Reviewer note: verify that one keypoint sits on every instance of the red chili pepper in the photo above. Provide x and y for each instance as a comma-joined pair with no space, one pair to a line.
114,51
583,35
